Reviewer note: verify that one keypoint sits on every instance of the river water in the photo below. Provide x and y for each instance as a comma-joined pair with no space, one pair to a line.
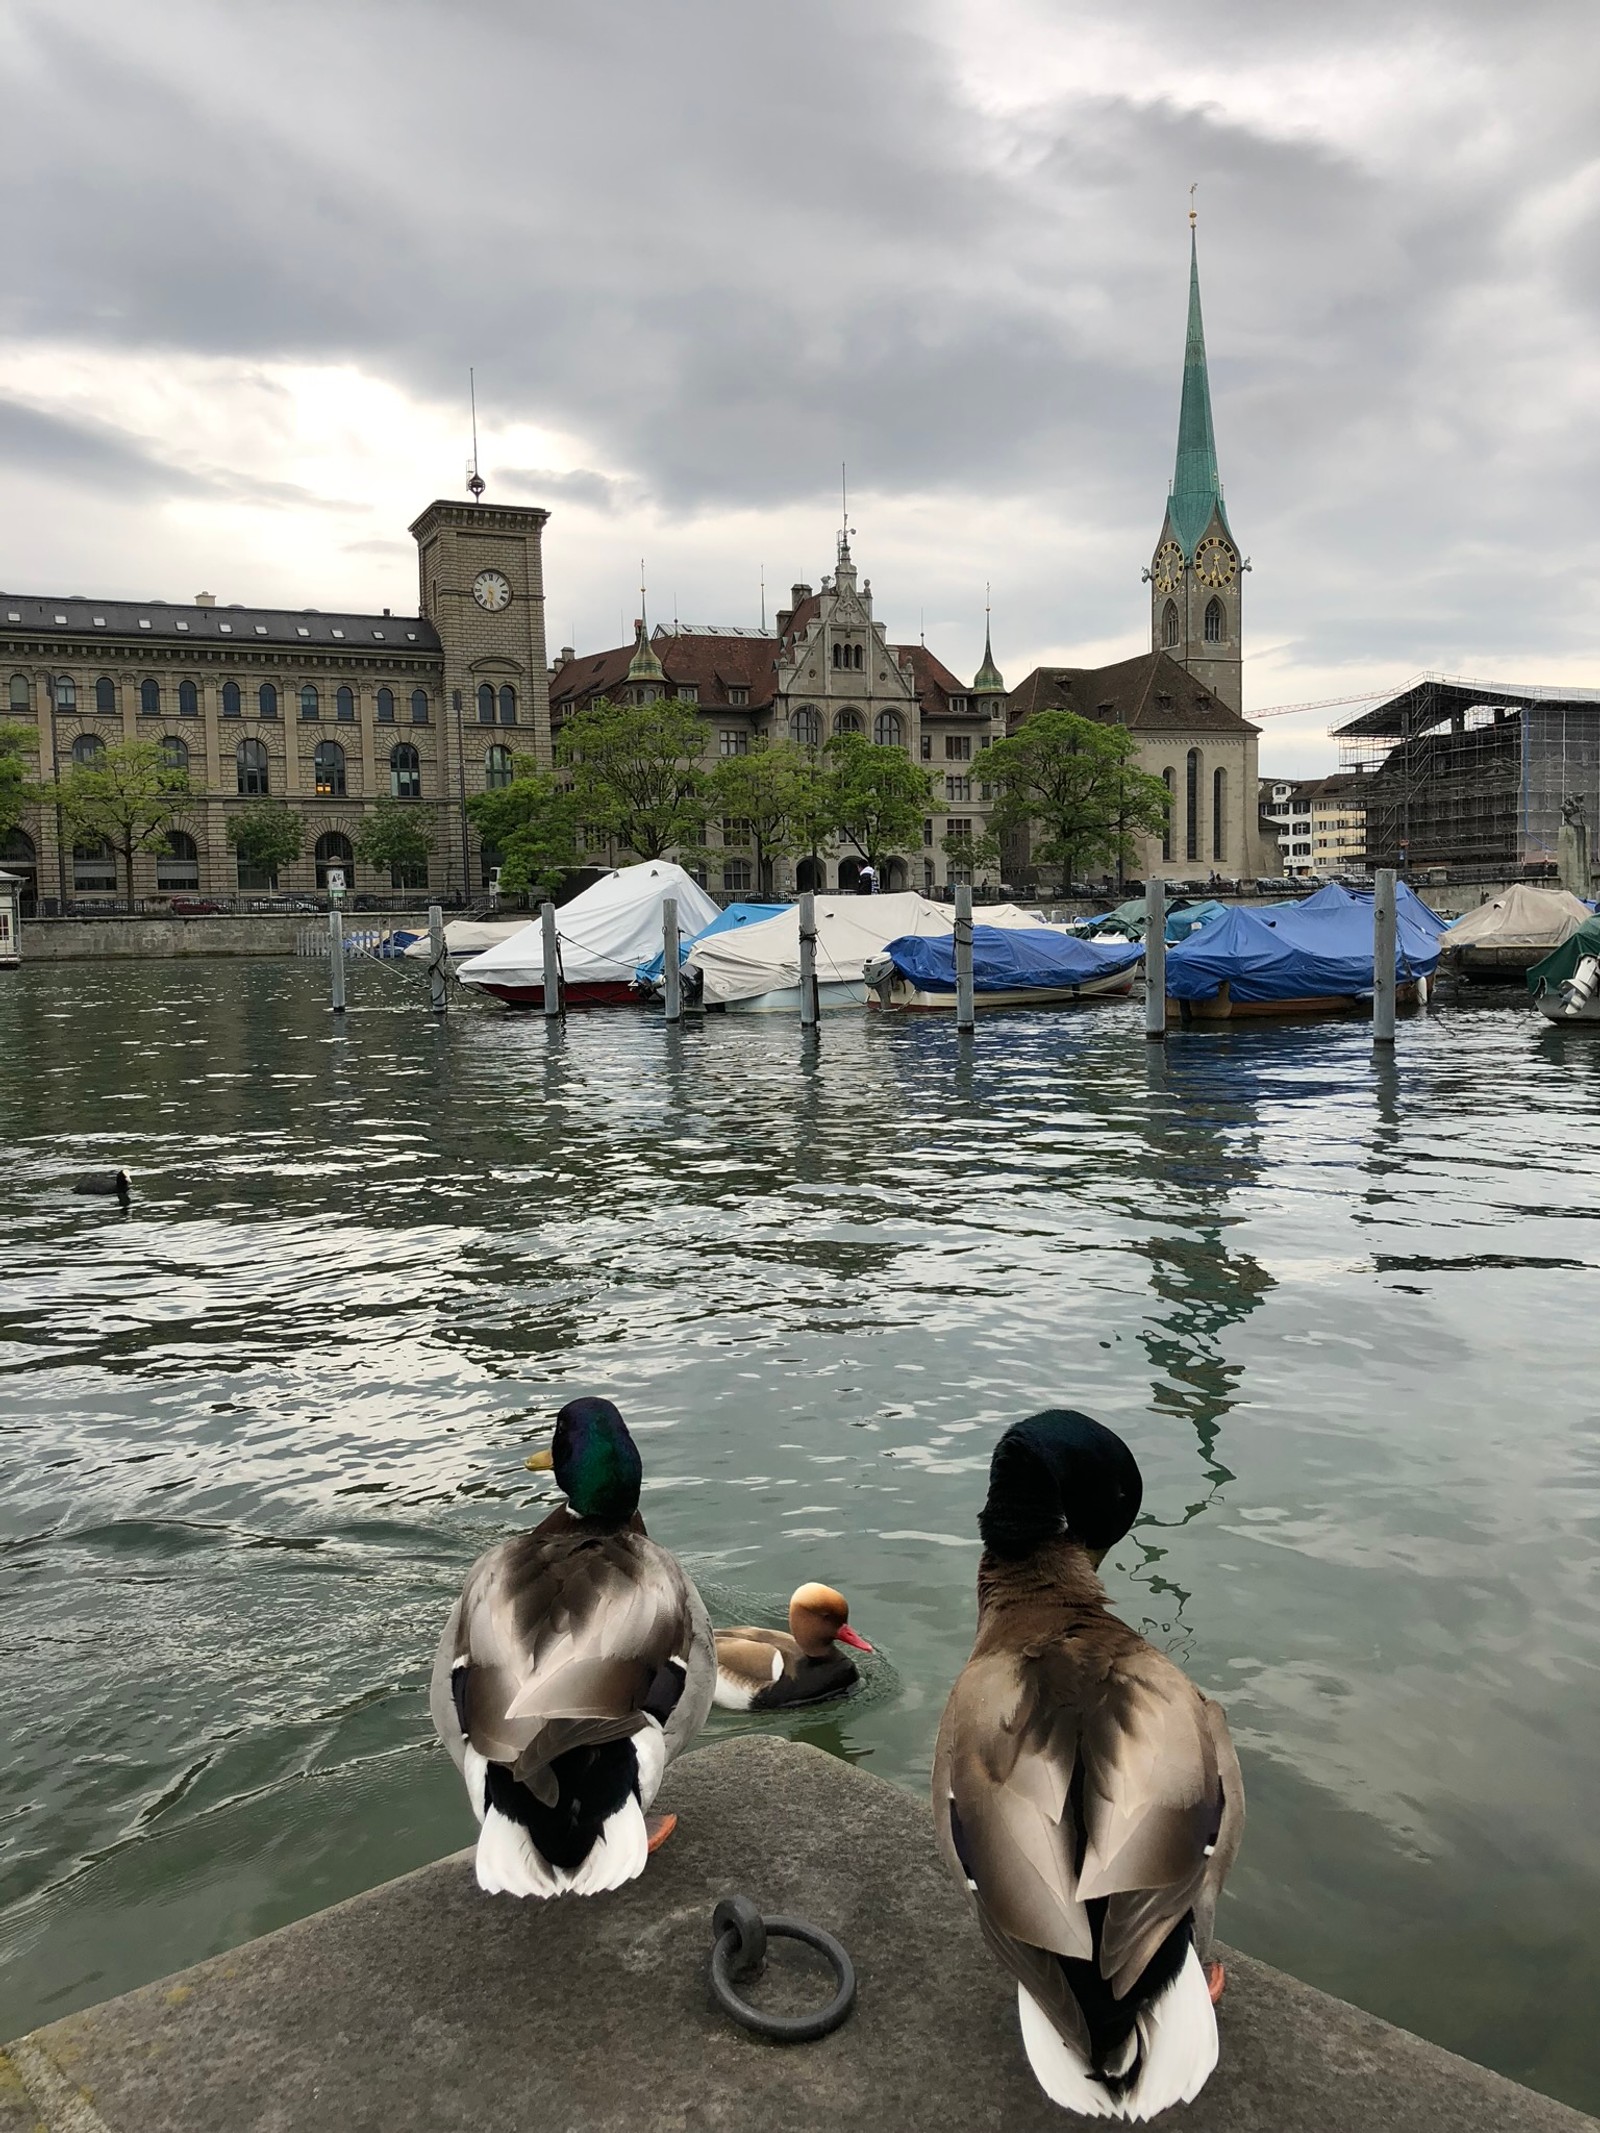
253,1430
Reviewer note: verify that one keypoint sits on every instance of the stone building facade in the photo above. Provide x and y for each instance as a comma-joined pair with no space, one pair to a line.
827,667
328,713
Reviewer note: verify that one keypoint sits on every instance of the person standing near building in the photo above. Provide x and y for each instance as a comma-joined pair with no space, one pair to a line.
867,880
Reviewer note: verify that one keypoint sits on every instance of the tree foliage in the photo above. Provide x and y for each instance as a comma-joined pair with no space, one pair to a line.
532,824
395,838
267,835
1075,786
635,771
878,796
129,798
16,744
771,790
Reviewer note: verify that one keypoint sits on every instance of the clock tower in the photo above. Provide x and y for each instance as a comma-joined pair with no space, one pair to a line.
1196,574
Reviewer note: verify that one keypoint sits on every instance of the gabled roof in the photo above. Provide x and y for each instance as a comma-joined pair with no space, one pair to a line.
934,683
161,621
1149,694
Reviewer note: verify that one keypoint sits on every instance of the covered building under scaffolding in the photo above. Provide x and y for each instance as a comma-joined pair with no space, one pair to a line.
1472,774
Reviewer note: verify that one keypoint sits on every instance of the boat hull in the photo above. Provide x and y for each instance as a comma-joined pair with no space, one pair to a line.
785,999
907,997
609,992
1550,1006
1224,1008
1486,965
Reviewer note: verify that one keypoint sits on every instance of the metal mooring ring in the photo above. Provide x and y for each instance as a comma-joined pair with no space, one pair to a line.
739,1950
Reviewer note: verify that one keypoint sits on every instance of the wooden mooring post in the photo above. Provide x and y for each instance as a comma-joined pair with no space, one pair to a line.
1155,959
966,1007
809,1003
336,957
1384,928
555,1001
671,972
437,999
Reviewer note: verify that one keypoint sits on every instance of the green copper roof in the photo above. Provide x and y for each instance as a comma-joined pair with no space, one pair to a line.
988,681
1196,490
644,665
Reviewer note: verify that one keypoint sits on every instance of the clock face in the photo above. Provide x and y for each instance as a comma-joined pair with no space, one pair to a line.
1215,562
491,591
1168,569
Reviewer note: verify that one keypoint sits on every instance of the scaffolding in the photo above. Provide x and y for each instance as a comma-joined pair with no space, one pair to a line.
1473,775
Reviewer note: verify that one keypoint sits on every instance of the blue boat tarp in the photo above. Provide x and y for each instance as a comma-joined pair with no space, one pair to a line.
724,922
1316,950
1011,959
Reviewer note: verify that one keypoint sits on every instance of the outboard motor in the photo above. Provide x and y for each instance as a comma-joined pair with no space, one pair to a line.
1580,987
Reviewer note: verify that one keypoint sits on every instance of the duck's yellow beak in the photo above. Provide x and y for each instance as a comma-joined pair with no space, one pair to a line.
541,1462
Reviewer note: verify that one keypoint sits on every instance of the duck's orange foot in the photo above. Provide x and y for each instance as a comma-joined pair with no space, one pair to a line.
658,1828
1216,1981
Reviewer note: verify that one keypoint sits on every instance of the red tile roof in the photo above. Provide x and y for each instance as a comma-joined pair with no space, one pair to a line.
1149,694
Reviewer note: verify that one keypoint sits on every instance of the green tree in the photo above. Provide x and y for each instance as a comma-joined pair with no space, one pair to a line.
395,839
972,853
879,797
533,824
770,790
636,773
1075,787
128,797
16,793
267,836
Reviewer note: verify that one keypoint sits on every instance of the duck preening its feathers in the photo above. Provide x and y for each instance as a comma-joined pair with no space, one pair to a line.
766,1670
575,1665
1085,1793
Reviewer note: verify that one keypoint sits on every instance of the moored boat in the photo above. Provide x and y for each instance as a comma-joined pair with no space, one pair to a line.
1310,958
1017,966
603,935
1503,939
1566,985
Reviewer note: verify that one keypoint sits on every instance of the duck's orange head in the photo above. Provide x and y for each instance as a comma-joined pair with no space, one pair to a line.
819,1618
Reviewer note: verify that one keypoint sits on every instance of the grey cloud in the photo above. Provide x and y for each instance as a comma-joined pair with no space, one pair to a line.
578,485
88,454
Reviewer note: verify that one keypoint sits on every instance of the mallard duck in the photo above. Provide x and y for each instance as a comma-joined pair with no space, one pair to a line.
1085,1793
576,1664
765,1670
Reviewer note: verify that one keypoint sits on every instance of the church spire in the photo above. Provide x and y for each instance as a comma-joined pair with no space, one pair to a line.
988,681
1196,489
644,665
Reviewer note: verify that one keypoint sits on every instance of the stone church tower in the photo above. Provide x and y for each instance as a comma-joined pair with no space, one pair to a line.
1196,574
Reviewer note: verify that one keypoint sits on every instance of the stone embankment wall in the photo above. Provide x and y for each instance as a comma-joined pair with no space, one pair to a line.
73,940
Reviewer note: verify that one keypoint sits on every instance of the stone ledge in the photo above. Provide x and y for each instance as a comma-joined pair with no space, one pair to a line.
425,2007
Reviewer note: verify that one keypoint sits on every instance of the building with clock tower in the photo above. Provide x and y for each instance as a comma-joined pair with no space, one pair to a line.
1196,574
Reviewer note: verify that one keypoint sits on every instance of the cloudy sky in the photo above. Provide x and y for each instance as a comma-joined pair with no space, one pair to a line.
702,251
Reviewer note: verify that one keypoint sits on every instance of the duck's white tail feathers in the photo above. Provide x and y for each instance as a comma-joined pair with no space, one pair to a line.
509,1863
1177,2051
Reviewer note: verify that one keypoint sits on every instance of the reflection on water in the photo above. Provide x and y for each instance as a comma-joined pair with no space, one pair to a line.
253,1429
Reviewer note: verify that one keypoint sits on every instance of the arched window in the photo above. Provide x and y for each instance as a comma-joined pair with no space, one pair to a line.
87,751
94,869
1169,779
1169,624
886,729
188,700
1214,620
310,701
386,707
231,705
405,772
178,867
105,696
1191,806
419,707
857,659
250,757
21,697
267,699
175,755
1219,814
334,850
149,699
66,693
848,721
805,727
344,705
508,705
497,769
327,769
838,655
486,703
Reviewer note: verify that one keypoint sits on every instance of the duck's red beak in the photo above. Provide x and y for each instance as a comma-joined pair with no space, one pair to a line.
848,1636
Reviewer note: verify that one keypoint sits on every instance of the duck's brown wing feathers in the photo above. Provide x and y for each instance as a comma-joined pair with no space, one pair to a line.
1077,1769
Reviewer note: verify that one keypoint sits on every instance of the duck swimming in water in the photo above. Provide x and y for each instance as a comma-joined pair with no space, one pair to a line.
766,1670
1085,1793
576,1664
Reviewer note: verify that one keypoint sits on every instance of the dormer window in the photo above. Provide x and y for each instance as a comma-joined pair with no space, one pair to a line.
688,692
738,697
958,703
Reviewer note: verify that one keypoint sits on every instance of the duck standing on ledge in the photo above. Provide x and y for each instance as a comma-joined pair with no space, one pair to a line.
576,1664
1085,1793
764,1670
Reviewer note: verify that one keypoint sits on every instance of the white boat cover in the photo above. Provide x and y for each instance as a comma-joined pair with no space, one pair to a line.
1520,917
469,936
851,930
606,931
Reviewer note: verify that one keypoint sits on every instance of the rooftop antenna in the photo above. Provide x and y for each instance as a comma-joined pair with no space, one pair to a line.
475,481
922,626
845,527
763,568
1192,191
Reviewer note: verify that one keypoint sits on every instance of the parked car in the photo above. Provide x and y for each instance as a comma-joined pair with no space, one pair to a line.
195,907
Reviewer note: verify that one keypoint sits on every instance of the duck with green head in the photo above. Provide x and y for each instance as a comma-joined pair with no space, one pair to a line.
576,1664
1086,1795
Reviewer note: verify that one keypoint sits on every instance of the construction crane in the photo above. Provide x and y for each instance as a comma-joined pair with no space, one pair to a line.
1320,703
